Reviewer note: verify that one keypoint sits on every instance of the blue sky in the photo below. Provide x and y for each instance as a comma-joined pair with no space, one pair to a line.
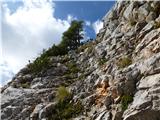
83,10
29,27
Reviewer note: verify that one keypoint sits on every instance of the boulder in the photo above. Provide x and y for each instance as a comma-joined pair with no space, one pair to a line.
104,116
145,104
150,17
108,102
35,113
47,110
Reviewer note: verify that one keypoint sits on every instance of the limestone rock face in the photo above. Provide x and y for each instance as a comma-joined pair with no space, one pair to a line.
115,77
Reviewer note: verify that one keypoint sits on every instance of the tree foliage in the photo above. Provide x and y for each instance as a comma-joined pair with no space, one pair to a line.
70,41
71,38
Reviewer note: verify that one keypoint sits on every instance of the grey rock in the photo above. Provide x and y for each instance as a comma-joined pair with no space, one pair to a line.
150,17
48,109
146,29
108,101
35,113
139,26
113,25
158,19
104,116
111,15
128,12
154,34
117,113
145,100
143,11
37,85
100,50
89,101
25,113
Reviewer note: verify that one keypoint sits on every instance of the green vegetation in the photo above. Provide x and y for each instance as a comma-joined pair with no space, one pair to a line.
132,22
71,38
102,61
69,75
124,62
65,109
81,77
156,9
125,100
62,94
39,64
157,25
65,59
72,67
89,45
25,85
72,70
70,41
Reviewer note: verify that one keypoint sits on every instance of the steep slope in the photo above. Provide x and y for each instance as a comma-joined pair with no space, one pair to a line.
115,77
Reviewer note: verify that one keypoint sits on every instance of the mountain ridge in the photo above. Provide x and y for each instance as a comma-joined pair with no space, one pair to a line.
115,77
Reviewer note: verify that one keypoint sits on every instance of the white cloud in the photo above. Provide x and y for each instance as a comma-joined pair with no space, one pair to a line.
70,18
28,30
97,25
6,73
88,23
85,37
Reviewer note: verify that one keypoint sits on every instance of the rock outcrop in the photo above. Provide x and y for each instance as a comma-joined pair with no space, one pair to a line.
115,77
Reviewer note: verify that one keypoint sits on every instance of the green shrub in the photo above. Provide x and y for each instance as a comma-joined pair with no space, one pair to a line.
124,62
55,50
101,61
65,59
41,63
157,25
132,22
90,49
25,85
72,67
156,9
125,100
81,77
78,107
89,45
68,76
65,109
62,94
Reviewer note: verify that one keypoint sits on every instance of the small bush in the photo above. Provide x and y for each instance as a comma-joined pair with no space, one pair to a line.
68,76
81,77
73,68
55,50
124,62
125,100
65,59
102,61
65,109
132,22
62,94
90,49
39,64
156,9
157,25
25,85
88,45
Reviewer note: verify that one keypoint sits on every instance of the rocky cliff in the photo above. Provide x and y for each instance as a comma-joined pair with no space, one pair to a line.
115,77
